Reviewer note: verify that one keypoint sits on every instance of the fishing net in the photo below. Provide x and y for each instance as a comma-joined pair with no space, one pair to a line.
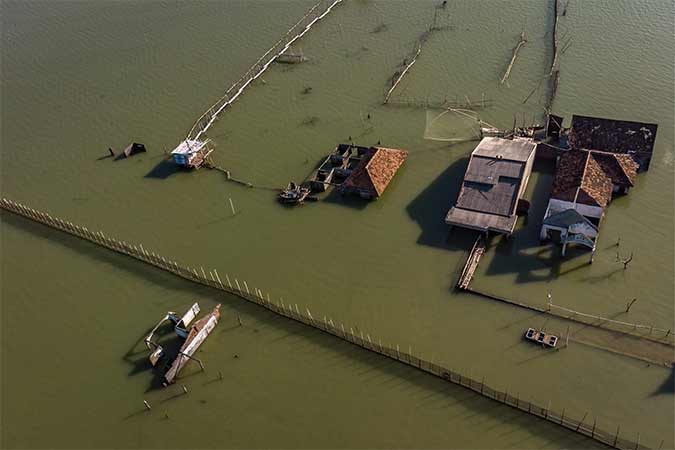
452,125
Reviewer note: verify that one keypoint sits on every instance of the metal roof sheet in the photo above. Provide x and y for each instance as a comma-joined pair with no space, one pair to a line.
508,149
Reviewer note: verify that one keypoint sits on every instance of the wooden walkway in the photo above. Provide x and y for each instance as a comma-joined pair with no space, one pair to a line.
472,261
364,340
663,341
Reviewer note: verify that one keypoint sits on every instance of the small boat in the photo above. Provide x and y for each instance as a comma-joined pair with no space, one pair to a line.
540,337
194,337
198,333
293,194
289,57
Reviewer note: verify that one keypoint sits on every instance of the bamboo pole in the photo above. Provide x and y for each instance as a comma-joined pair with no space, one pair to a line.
219,281
581,421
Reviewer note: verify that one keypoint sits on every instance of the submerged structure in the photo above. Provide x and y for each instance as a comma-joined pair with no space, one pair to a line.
493,184
353,169
597,159
194,338
133,149
374,172
585,182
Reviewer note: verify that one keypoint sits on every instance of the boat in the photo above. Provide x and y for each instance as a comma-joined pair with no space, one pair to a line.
289,57
293,194
540,337
194,337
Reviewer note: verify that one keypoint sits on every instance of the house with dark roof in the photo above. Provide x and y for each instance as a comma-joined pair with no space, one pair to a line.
614,136
495,180
585,182
374,172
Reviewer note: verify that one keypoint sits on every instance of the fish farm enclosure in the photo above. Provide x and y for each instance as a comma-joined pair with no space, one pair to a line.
475,251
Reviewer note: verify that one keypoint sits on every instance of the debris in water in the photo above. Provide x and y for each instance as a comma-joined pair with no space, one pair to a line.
194,337
380,28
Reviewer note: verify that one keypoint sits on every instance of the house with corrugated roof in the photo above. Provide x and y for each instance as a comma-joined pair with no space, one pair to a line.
373,174
494,182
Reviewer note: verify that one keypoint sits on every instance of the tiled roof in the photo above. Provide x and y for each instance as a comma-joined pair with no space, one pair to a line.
580,179
375,173
620,168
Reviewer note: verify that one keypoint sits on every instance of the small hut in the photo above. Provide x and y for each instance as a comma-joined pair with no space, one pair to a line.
191,153
132,149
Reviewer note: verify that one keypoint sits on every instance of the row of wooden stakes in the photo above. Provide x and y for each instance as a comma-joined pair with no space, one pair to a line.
292,311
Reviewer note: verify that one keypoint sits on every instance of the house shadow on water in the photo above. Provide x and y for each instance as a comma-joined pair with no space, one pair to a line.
350,201
429,208
163,170
523,253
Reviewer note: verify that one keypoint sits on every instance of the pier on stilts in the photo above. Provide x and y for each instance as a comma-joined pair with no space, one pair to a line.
471,265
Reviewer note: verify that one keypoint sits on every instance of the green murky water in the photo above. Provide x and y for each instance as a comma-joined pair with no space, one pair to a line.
79,77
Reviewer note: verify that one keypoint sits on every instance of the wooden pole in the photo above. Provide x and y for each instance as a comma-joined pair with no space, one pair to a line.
616,436
581,421
630,304
567,337
218,277
521,42
232,206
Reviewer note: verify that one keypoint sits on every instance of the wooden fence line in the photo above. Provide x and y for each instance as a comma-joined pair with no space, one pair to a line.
666,337
292,311
298,30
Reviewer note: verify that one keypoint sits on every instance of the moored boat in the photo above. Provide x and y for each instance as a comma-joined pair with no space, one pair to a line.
540,337
293,194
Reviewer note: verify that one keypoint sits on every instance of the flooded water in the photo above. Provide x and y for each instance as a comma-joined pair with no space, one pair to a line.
79,77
